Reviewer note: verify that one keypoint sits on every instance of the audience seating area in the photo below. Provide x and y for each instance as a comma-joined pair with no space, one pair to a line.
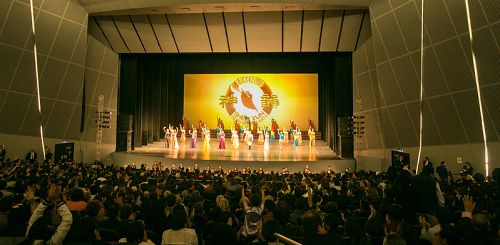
89,203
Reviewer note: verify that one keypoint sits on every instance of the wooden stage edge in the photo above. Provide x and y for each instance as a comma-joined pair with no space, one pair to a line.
318,158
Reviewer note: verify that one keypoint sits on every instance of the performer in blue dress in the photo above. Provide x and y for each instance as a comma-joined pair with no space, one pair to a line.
295,141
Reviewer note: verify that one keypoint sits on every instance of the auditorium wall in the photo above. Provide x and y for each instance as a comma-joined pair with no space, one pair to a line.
386,71
66,57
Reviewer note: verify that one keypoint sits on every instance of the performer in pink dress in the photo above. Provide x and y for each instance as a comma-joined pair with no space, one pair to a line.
222,140
193,134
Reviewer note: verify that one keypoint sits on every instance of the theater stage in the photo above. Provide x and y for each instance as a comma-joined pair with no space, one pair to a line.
318,157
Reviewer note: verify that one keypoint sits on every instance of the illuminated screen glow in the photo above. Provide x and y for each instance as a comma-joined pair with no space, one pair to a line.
254,97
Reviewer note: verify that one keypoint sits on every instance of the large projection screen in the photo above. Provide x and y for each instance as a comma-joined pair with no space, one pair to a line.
251,97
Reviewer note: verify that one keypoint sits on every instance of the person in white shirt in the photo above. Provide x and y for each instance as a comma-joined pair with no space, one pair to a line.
179,232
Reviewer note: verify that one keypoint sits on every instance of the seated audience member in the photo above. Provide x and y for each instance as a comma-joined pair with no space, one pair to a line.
179,233
315,231
45,227
394,239
76,200
222,232
253,215
136,234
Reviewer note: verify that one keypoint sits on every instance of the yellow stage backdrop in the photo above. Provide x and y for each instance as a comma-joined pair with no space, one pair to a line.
254,97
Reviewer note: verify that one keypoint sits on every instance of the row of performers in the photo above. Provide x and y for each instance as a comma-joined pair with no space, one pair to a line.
265,137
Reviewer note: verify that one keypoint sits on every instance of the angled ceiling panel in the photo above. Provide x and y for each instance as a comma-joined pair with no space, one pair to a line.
486,57
235,32
292,28
66,39
390,136
9,58
59,119
409,19
110,62
127,30
372,129
56,7
365,91
454,64
24,80
18,33
359,61
350,30
76,12
190,32
105,87
391,36
468,110
46,23
217,31
162,30
388,84
366,31
379,53
31,124
407,78
331,27
406,132
73,129
146,33
52,77
434,82
95,31
492,103
311,32
437,21
13,112
447,120
263,31
81,48
430,133
72,85
108,27
94,54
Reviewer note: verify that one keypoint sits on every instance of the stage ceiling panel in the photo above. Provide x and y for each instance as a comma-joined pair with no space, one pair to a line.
250,30
263,31
311,30
331,30
235,32
350,30
217,31
108,27
129,34
291,31
190,32
162,29
146,33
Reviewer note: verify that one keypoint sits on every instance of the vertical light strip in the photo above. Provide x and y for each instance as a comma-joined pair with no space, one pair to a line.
478,89
35,55
421,83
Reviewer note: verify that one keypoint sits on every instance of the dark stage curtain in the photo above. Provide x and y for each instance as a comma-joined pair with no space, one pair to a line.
152,86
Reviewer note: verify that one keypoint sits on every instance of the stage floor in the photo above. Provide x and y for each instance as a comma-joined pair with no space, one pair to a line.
303,153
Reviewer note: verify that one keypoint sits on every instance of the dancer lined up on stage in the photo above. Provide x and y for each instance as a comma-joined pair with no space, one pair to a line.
235,139
206,138
281,141
249,140
193,134
312,136
266,141
183,133
299,135
260,140
173,133
285,136
166,137
222,140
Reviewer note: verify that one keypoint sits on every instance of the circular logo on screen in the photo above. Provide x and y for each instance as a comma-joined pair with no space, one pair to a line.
249,98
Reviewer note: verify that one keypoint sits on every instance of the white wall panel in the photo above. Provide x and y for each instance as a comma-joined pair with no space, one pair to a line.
350,30
331,28
109,29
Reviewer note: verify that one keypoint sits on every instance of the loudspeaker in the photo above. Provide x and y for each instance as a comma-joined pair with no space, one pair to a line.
346,146
124,132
